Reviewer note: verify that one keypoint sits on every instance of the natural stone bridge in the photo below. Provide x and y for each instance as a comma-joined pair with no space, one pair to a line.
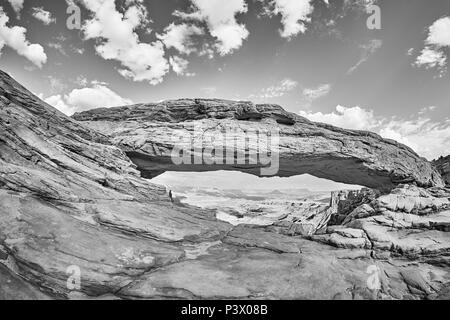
146,132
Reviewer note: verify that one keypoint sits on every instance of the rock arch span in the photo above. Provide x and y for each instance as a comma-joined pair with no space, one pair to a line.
146,133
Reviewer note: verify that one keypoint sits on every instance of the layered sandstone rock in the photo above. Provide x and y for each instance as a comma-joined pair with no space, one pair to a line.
68,198
343,202
71,200
443,166
410,222
305,219
149,132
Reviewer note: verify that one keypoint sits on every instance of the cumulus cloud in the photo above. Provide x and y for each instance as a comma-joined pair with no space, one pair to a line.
276,91
439,33
431,58
42,15
428,138
355,118
117,40
17,5
179,66
179,36
96,96
220,16
367,51
433,55
294,15
58,102
14,37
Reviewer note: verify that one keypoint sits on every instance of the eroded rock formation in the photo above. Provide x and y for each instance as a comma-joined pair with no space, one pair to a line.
410,221
443,166
343,202
146,132
307,219
71,199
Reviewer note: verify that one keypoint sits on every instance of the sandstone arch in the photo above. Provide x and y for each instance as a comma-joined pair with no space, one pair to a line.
145,132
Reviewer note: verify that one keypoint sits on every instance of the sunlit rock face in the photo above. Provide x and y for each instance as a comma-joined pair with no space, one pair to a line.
306,219
411,222
146,132
443,166
343,202
70,199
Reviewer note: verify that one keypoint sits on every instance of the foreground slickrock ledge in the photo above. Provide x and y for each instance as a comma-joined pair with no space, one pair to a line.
70,197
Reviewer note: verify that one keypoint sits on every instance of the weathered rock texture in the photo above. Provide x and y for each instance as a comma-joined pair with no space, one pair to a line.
410,222
306,219
443,166
146,133
345,201
69,199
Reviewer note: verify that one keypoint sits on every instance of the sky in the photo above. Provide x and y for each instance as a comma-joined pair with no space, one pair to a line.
233,180
317,58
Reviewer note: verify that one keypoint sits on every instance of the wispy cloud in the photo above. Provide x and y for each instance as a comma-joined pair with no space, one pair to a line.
312,94
277,90
17,5
367,50
179,66
209,92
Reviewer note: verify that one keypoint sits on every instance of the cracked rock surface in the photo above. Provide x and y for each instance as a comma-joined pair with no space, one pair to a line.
70,197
